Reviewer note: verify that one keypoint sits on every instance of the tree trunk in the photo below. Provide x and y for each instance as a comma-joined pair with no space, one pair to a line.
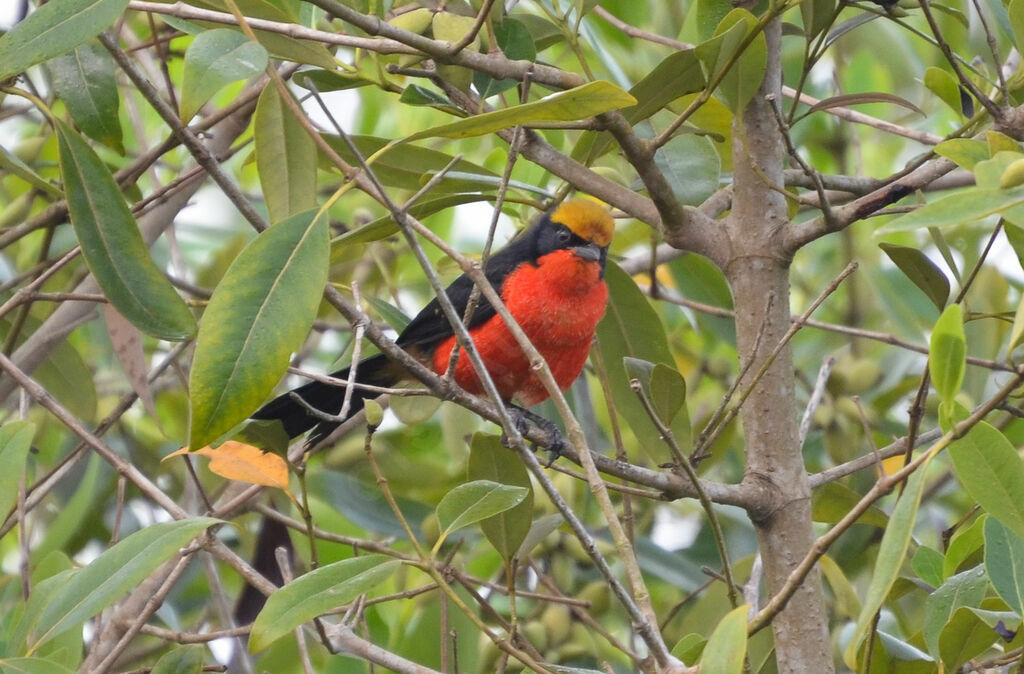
758,273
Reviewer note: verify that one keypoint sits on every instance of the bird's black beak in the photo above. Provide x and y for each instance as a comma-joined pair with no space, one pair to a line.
592,253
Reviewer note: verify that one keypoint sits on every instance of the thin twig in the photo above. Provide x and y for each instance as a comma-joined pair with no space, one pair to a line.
716,527
816,394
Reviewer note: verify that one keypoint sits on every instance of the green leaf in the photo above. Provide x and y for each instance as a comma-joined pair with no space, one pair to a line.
927,564
291,49
108,577
710,14
489,460
846,603
32,666
697,278
744,75
901,654
539,530
516,43
64,373
631,328
69,378
677,75
474,501
214,59
365,506
280,46
947,353
1004,562
963,637
726,649
990,173
84,80
181,660
414,94
412,410
1015,236
112,246
328,80
259,314
964,207
15,441
286,158
831,502
991,618
317,592
945,86
963,589
816,15
924,273
690,647
691,166
53,29
663,386
544,32
989,468
385,226
405,166
72,513
580,102
891,553
391,314
1016,11
964,152
11,163
963,548
1017,331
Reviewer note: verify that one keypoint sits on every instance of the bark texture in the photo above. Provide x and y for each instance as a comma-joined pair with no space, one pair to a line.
757,268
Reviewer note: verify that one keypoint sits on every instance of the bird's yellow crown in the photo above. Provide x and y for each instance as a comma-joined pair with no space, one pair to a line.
587,220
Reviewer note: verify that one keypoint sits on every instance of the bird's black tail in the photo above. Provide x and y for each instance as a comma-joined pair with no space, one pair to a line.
297,419
328,398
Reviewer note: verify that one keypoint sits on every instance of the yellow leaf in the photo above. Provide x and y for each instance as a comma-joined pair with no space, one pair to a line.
245,463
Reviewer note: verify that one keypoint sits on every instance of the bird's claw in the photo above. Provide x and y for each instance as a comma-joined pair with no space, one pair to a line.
522,418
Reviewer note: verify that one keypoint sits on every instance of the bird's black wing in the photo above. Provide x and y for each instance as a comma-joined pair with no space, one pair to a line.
430,325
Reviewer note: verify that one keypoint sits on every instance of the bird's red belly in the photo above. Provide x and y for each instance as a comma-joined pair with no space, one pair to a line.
558,304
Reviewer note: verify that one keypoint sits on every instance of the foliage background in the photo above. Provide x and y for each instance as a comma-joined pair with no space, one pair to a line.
932,582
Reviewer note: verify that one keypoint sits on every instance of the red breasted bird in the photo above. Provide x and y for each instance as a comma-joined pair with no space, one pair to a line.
551,278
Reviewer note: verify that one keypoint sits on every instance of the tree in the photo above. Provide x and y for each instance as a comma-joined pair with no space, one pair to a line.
843,483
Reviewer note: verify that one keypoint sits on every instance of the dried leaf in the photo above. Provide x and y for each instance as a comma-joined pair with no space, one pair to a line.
127,342
245,463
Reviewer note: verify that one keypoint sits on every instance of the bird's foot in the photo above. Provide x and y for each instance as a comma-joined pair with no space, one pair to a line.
522,418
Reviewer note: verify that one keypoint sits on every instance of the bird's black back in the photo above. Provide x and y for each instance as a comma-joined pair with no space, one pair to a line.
430,326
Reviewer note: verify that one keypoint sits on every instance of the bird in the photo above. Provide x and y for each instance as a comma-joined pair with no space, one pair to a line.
550,277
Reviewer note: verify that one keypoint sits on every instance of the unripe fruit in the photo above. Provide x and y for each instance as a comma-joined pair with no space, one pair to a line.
417,21
557,621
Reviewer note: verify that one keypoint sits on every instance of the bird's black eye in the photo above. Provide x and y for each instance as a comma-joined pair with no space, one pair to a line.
564,236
